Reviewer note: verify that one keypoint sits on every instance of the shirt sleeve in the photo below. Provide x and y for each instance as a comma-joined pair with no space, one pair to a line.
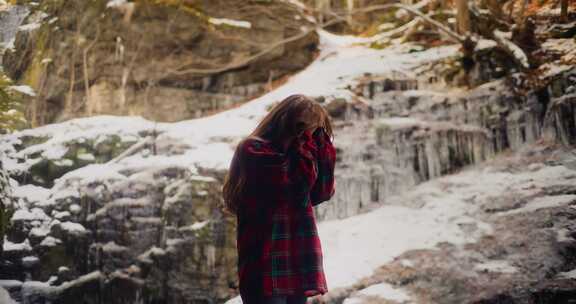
289,175
323,189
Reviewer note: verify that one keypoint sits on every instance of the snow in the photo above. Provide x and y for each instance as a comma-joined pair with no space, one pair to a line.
29,215
567,275
5,297
24,89
113,247
501,266
75,208
400,122
421,228
385,291
58,195
381,290
298,4
543,202
30,261
31,192
92,173
31,288
115,3
50,242
63,269
230,22
56,153
30,27
199,225
73,228
485,44
39,232
155,251
98,128
86,156
64,162
563,235
202,178
9,246
504,39
61,215
10,284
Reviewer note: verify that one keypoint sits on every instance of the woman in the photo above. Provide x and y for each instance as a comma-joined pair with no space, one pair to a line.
278,173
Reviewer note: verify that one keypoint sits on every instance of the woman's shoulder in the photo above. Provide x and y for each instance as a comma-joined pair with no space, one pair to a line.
260,151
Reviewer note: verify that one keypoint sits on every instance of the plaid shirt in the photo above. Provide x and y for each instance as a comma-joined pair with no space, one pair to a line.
279,251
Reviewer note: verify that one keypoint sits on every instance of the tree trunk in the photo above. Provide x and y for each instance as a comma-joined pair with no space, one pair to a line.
463,17
521,15
322,6
564,10
495,8
349,8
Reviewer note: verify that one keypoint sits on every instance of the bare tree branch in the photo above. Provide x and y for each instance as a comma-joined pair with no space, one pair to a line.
337,19
85,64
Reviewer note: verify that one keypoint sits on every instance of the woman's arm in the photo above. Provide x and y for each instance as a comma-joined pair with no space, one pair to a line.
323,189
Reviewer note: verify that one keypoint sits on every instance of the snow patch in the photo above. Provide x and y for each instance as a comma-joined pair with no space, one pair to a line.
113,247
39,232
230,22
567,275
30,27
154,251
29,215
86,157
382,290
30,261
5,297
31,192
9,284
543,202
24,89
115,3
11,247
199,225
73,228
50,242
501,266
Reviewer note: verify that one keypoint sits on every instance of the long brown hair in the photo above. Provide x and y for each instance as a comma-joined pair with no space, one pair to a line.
284,121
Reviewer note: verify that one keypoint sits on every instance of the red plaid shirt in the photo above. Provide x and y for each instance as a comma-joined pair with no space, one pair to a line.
279,251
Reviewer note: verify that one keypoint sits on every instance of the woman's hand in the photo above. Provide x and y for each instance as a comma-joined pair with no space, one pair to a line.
299,140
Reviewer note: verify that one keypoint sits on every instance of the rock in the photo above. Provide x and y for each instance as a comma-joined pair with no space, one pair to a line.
337,108
562,31
6,202
135,66
559,122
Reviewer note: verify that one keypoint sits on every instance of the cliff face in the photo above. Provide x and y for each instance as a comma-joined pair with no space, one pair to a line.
407,133
163,60
122,210
152,233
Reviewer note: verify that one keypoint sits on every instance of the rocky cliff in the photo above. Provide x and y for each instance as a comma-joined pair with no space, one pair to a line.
457,195
163,60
